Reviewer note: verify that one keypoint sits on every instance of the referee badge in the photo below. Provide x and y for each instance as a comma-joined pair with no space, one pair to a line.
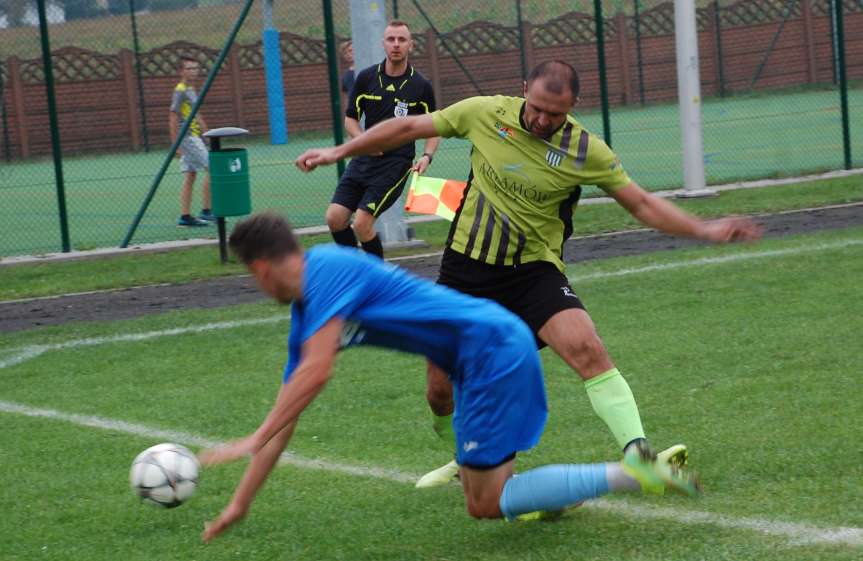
401,109
554,157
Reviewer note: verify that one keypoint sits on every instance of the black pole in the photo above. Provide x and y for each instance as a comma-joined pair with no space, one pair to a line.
521,42
638,51
335,96
55,128
395,9
138,77
834,50
169,156
603,82
216,146
717,21
839,8
789,7
7,146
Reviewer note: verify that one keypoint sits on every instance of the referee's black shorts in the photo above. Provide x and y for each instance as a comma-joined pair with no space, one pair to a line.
372,183
533,291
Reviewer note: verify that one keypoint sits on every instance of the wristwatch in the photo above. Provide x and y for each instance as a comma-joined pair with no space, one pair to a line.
427,155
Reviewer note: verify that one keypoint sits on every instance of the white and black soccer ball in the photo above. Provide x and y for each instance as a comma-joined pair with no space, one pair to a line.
165,475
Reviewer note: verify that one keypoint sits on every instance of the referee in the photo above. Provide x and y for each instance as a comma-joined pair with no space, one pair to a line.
371,184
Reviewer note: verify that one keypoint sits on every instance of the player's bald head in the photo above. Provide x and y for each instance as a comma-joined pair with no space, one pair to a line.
557,77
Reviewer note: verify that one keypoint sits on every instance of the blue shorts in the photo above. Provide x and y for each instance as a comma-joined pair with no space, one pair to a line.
503,410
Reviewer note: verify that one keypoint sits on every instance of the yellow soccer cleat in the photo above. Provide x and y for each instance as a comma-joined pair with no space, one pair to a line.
438,477
676,455
655,477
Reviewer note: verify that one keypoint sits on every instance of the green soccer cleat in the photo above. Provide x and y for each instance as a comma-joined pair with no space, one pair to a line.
546,515
654,476
676,455
438,477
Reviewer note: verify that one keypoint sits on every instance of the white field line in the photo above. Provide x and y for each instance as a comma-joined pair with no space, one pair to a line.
24,354
735,257
796,533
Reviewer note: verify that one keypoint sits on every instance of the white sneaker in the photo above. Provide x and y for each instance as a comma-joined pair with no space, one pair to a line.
438,477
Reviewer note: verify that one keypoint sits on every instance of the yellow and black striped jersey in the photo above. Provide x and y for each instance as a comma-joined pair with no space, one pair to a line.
523,189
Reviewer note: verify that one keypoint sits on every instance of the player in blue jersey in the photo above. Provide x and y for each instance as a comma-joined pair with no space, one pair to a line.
340,298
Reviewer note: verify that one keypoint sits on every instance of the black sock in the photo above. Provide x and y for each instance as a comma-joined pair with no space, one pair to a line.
345,237
374,246
633,442
205,211
186,216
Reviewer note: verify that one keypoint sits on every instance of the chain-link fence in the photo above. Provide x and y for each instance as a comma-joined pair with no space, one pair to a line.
768,70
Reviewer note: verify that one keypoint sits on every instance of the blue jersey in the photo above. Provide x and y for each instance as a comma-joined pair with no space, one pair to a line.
385,306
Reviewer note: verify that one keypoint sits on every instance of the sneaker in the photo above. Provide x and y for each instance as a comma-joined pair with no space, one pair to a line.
655,477
191,222
438,477
676,455
207,216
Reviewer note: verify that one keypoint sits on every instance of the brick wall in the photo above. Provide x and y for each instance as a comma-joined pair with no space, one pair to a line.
99,112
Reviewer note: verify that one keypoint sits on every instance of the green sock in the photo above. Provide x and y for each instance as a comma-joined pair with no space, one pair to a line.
613,402
443,427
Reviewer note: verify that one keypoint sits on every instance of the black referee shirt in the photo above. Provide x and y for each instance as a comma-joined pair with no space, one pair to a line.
380,97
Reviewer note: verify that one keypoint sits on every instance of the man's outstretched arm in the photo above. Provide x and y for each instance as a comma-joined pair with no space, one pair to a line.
384,136
658,213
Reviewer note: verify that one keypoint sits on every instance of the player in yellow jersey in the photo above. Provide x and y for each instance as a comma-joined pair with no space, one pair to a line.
529,160
192,152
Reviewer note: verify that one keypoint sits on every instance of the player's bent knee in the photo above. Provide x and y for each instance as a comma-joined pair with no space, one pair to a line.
586,354
364,226
337,220
488,509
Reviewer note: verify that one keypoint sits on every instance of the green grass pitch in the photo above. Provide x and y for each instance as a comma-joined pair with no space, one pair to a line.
748,353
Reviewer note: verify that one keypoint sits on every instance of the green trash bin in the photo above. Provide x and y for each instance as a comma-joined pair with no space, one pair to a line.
229,177
229,181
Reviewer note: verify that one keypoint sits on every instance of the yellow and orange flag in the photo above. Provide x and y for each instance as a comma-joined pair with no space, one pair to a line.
430,195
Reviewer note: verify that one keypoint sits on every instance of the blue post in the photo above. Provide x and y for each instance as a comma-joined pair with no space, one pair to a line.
273,75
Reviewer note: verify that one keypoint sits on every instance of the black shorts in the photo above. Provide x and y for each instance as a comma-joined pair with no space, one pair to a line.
533,291
372,183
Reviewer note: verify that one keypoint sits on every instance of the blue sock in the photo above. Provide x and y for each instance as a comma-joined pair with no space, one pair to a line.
552,488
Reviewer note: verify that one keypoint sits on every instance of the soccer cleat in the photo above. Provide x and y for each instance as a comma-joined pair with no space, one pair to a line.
438,477
676,455
207,216
546,515
655,477
191,222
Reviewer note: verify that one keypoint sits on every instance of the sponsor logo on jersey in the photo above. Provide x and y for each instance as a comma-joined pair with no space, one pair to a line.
554,157
352,334
502,131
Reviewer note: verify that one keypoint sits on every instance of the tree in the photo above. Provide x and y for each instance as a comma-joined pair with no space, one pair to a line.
15,10
82,9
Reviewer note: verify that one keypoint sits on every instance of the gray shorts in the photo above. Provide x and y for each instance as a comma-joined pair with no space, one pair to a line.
194,154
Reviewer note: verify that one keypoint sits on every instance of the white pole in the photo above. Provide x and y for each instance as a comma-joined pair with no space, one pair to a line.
689,95
368,22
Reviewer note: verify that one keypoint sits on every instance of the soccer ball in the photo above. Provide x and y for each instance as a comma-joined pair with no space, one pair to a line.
165,475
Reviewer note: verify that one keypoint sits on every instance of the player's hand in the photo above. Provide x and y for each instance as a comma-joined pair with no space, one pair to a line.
230,516
178,154
227,453
732,229
310,159
422,165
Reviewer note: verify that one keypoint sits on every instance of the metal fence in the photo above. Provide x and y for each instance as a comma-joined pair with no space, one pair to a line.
768,68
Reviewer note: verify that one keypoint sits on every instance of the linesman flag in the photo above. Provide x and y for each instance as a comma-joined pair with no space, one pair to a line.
430,195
